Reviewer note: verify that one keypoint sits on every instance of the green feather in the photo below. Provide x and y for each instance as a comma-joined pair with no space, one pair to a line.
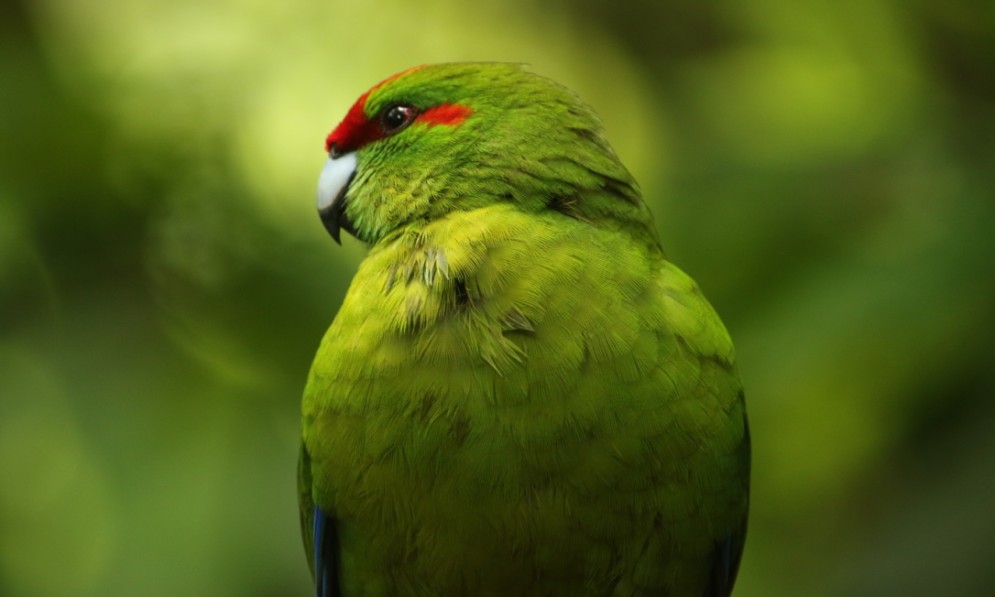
520,395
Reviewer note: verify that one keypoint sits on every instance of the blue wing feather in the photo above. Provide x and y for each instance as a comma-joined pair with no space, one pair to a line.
326,555
320,532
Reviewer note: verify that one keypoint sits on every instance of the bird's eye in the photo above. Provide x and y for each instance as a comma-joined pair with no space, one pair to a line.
395,118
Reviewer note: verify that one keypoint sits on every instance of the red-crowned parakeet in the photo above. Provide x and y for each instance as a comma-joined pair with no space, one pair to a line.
520,395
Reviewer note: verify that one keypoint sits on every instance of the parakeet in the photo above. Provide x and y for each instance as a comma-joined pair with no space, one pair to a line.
520,395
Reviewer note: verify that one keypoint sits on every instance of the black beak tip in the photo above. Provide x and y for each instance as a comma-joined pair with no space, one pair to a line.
330,218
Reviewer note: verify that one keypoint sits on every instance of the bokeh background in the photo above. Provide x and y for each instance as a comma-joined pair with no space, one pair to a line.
824,169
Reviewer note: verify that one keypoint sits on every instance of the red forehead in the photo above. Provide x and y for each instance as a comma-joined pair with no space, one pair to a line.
356,129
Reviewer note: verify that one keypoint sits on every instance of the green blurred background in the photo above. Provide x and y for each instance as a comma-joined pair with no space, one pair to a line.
824,169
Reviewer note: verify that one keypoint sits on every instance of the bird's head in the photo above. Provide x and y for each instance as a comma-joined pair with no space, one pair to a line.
440,138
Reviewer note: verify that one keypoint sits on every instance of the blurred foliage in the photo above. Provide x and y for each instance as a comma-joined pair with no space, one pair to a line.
824,169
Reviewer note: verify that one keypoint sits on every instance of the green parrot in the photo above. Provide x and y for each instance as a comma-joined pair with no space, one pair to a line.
520,394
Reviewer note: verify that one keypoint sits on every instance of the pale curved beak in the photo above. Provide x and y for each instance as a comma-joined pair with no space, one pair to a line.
332,186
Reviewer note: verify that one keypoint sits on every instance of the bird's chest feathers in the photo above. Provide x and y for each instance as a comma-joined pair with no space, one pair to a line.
453,298
452,337
422,361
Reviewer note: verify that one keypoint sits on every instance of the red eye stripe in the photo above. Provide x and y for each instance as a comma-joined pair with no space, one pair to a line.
356,130
447,114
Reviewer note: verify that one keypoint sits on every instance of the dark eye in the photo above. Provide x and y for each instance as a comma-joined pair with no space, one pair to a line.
395,118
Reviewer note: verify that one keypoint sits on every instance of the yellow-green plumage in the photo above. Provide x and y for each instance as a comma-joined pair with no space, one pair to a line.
524,397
